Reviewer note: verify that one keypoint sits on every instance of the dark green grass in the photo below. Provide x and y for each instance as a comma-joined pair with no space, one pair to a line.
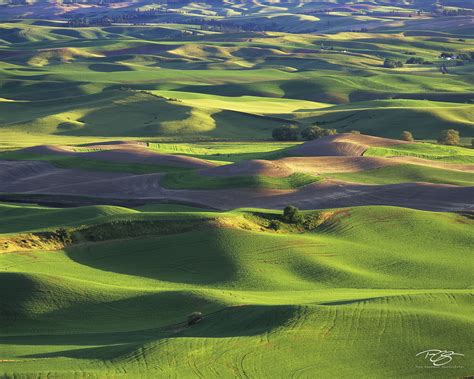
194,180
405,173
30,218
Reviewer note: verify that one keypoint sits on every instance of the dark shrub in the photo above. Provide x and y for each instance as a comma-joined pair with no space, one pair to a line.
285,133
312,221
392,63
274,224
314,132
292,215
446,55
64,235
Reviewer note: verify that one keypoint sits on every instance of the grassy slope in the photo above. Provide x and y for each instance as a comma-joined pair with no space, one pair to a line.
248,104
29,218
448,154
425,119
348,287
405,173
129,114
231,86
193,180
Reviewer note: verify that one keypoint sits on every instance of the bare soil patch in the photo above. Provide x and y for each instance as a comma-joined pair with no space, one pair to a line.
128,152
346,144
21,177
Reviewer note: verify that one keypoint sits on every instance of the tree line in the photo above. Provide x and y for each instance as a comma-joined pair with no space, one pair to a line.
449,137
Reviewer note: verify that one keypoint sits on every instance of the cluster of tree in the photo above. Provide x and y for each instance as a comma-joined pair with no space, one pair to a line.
315,132
447,55
135,17
292,215
231,27
81,22
291,133
461,56
324,11
457,59
449,137
392,63
285,133
139,15
155,12
446,137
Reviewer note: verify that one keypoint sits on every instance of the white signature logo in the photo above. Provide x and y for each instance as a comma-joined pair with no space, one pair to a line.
439,357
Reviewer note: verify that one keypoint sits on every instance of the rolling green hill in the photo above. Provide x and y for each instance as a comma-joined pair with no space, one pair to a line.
154,289
98,81
130,114
348,285
388,118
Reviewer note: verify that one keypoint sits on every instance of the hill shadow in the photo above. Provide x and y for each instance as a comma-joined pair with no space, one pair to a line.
237,321
104,67
192,258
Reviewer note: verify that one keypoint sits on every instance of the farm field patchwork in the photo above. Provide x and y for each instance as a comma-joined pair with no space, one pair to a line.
236,189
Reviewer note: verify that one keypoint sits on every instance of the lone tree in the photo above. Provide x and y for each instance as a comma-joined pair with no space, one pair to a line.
407,136
292,215
314,132
392,63
285,133
449,137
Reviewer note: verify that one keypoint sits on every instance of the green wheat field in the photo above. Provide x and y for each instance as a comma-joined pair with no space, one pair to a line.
153,224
